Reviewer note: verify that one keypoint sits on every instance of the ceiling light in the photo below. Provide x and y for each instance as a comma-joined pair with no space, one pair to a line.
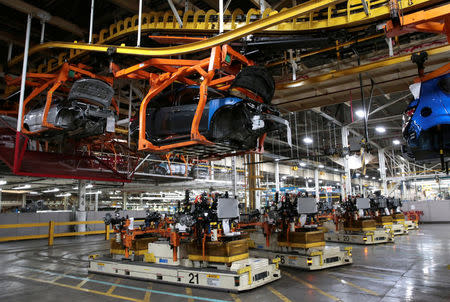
307,140
321,166
366,176
34,193
373,177
309,180
380,129
396,142
63,195
3,182
51,190
22,187
357,174
302,164
89,186
335,169
360,113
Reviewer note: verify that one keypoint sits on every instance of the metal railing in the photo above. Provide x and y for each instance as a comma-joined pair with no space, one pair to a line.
51,235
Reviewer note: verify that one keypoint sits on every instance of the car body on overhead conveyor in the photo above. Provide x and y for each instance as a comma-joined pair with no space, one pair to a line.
426,121
228,120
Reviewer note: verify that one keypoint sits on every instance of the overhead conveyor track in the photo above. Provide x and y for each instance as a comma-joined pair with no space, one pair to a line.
313,15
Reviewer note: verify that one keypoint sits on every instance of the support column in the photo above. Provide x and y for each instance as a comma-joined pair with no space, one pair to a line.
212,170
80,214
220,16
361,188
252,181
96,202
42,31
382,165
277,177
257,182
65,202
402,170
24,200
347,178
0,200
316,184
233,176
125,200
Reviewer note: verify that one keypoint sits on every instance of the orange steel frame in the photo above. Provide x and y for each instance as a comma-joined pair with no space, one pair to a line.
435,20
42,81
218,64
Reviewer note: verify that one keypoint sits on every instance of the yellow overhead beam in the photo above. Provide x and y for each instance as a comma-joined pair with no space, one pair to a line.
358,69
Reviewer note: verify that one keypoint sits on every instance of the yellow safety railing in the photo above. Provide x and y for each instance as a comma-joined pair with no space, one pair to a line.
51,230
199,22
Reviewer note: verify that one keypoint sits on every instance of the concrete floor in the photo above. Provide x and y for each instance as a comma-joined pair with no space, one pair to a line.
412,269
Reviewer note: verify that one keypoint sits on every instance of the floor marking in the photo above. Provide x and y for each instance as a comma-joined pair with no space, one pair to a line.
113,287
380,268
127,286
189,292
372,275
56,279
311,286
235,297
361,276
148,294
80,285
80,289
278,294
355,286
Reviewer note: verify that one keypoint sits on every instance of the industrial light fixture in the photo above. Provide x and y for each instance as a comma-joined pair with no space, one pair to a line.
373,177
321,166
396,142
51,190
3,182
366,176
335,169
22,187
89,186
34,193
63,195
302,164
307,140
310,180
360,113
357,174
380,129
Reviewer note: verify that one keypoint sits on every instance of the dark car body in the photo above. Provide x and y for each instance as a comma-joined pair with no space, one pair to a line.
226,119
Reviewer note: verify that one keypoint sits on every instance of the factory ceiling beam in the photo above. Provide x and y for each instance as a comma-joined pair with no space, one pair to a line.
26,8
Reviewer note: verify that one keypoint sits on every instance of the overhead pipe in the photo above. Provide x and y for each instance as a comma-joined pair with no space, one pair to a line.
26,8
139,24
91,22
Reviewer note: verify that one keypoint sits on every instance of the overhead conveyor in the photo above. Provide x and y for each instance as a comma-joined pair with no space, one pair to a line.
312,15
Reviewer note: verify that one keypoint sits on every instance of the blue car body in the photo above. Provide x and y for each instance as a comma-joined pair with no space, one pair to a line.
427,121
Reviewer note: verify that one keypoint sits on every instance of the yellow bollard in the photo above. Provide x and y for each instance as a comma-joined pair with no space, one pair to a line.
51,232
107,232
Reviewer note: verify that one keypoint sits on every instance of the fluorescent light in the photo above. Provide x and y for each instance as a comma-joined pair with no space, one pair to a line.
321,166
22,187
380,129
360,113
89,186
396,142
366,176
34,193
63,195
309,180
75,188
373,177
357,174
335,169
307,140
51,190
302,164
3,182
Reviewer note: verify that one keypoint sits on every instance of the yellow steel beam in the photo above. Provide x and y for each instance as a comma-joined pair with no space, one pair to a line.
358,69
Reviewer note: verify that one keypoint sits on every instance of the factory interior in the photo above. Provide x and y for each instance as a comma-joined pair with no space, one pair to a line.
225,150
